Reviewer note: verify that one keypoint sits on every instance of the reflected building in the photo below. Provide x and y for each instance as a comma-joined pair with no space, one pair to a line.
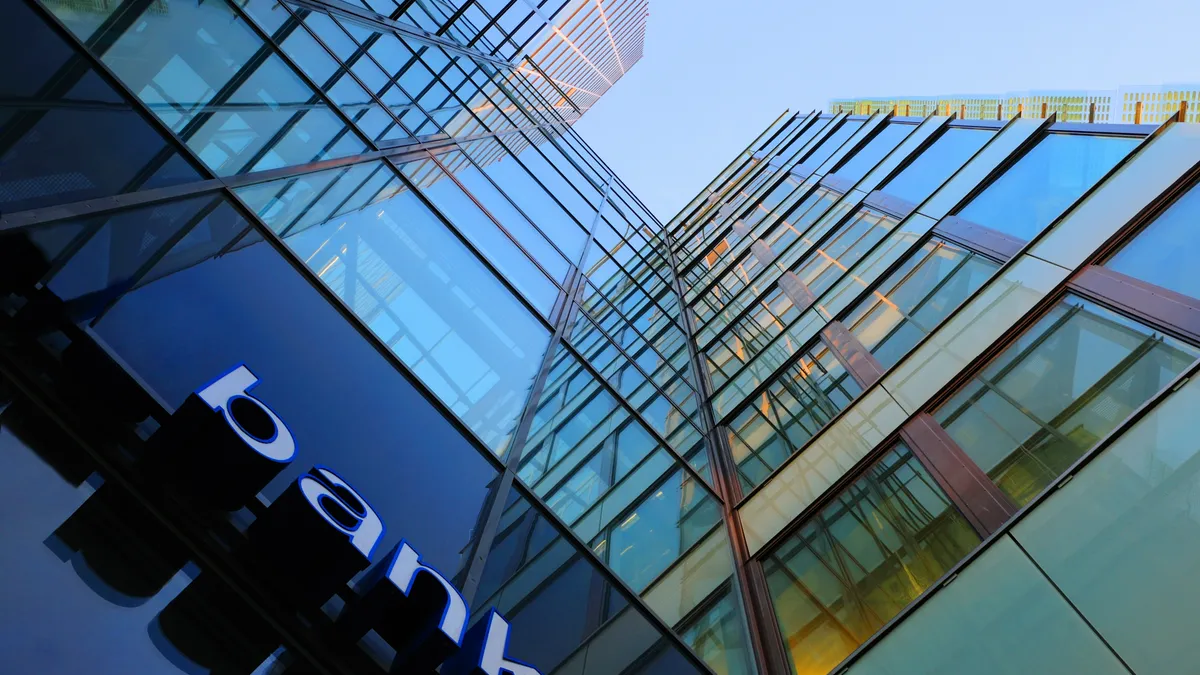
299,297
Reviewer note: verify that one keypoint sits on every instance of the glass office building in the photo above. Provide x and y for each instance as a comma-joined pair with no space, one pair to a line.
950,365
445,312
295,294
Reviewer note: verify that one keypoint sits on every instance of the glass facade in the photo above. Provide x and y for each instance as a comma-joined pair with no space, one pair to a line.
464,330
300,297
908,347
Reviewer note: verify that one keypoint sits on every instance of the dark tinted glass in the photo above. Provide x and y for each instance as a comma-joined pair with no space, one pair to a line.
94,583
149,284
65,134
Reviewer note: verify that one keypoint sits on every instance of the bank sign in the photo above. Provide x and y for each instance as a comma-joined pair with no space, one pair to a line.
223,446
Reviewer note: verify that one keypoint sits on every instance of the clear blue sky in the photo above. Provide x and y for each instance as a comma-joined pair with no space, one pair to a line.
715,74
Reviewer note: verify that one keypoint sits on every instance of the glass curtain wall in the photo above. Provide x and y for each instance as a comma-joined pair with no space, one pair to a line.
382,210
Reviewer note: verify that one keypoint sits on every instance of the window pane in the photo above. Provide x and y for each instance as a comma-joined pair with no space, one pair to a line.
531,197
776,423
865,159
565,616
933,166
57,106
483,232
717,637
1121,538
999,617
830,145
1036,190
911,302
416,286
1062,386
209,78
649,538
1166,251
876,547
503,210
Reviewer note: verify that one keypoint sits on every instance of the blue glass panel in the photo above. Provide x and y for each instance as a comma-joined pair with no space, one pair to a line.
531,197
503,210
875,150
182,292
936,163
416,286
1041,185
566,616
1167,251
93,584
483,232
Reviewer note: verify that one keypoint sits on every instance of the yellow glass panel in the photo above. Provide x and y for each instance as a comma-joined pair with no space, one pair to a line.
692,579
809,474
868,271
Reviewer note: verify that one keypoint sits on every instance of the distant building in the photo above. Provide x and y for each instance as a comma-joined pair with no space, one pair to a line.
1139,104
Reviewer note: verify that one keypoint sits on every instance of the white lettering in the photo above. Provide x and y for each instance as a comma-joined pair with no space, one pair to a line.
236,384
366,529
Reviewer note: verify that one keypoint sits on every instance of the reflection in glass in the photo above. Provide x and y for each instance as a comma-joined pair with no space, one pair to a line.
779,421
209,77
864,557
936,163
485,233
1063,385
849,243
502,209
1164,253
643,542
999,617
1121,539
565,616
533,200
95,583
717,636
914,299
416,287
1049,178
55,105
875,150
830,145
